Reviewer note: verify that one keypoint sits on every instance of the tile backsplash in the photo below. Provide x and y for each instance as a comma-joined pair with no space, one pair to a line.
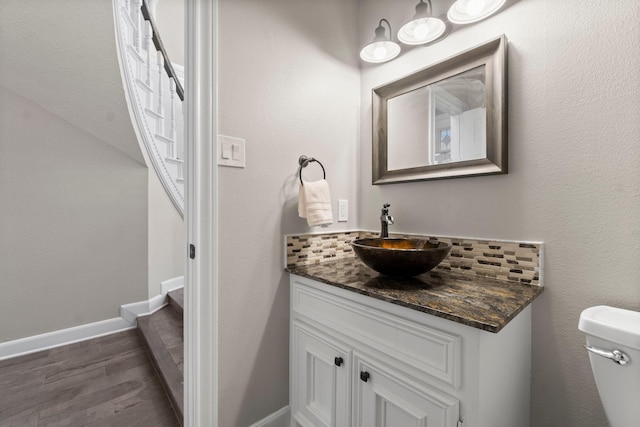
306,249
510,261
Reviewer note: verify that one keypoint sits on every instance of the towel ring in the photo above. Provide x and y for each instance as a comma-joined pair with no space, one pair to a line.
304,162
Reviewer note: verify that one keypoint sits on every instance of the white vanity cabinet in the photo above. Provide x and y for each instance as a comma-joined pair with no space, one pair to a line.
384,396
322,371
359,361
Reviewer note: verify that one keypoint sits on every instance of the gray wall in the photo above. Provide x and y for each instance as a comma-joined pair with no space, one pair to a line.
169,17
73,223
166,245
288,84
574,180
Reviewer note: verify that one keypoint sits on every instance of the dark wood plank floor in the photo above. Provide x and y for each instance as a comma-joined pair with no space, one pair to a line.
170,329
162,334
106,381
176,301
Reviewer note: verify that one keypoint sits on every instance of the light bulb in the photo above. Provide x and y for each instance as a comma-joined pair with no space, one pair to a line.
469,11
475,7
380,52
421,30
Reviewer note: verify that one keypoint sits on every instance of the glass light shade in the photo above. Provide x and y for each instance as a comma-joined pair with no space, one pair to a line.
380,51
468,11
421,30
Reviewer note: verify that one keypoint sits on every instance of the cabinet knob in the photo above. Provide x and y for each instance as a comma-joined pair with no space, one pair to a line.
364,376
338,361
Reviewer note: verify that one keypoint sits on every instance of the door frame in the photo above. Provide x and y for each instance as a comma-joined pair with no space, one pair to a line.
201,221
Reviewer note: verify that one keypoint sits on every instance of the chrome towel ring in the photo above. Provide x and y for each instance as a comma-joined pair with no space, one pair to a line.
304,162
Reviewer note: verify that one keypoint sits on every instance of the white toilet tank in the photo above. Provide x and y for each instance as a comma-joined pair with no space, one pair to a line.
613,341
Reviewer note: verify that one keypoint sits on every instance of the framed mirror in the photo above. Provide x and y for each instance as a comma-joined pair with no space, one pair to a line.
445,121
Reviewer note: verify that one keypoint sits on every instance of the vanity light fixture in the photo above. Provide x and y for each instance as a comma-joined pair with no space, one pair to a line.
423,28
468,11
382,48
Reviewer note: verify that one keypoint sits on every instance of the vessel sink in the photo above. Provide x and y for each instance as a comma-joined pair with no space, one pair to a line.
400,257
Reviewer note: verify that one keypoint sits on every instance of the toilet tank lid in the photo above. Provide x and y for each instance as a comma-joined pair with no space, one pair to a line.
612,324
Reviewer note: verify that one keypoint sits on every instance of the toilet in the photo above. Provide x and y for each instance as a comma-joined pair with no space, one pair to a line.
613,343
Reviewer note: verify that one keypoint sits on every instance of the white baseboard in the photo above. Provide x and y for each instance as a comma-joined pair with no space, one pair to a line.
281,418
63,337
127,320
130,312
172,284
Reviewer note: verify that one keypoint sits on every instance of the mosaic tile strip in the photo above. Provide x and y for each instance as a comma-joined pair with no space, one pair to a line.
509,261
309,249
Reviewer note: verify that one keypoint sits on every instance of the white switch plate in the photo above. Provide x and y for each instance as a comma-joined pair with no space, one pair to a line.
231,151
343,210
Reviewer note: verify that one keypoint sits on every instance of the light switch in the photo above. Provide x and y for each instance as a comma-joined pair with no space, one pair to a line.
343,210
226,150
236,153
231,151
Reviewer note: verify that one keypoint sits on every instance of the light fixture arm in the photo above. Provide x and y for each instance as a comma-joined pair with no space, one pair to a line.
423,9
380,31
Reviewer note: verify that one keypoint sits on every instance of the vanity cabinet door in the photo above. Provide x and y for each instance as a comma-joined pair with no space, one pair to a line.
321,374
385,398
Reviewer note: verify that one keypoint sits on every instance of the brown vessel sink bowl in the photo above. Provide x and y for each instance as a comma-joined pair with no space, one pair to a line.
401,257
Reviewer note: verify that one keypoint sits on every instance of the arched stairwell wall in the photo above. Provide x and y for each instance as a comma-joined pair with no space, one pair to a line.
85,226
73,184
155,107
155,94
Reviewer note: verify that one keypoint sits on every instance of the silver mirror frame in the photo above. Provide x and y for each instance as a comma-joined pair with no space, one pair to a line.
493,55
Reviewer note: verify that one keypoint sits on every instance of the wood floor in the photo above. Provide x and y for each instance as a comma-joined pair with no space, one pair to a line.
162,335
106,381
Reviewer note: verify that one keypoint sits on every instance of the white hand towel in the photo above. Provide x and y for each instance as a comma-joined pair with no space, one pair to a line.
314,203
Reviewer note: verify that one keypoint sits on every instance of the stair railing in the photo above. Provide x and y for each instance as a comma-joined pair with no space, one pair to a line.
157,42
155,92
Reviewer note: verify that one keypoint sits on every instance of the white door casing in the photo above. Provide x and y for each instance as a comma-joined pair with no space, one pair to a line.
201,285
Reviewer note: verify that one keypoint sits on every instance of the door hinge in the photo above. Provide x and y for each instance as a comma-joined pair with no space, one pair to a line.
192,251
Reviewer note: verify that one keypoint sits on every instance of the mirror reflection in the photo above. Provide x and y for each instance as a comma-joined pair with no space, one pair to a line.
448,122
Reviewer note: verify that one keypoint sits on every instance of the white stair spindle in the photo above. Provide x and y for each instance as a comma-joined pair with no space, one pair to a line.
160,64
147,66
126,22
150,48
180,171
134,19
172,123
180,140
160,93
138,19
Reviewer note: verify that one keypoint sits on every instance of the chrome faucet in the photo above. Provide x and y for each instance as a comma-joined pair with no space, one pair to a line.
385,221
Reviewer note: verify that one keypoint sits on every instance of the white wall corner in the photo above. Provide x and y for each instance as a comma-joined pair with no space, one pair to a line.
130,312
172,284
281,418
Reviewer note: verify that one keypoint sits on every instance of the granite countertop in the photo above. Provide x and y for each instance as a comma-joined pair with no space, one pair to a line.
480,302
